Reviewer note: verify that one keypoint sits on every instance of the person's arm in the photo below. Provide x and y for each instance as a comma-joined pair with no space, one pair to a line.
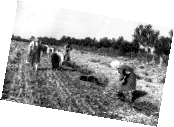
121,77
29,48
120,71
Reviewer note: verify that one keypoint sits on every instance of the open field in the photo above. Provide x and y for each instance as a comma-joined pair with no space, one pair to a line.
64,90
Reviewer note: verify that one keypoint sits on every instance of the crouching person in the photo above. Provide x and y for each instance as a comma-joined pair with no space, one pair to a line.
127,81
56,59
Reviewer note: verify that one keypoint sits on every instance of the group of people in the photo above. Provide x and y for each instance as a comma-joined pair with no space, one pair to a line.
127,76
36,49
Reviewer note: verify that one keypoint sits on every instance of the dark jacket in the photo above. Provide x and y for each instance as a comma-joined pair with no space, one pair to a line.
128,80
55,60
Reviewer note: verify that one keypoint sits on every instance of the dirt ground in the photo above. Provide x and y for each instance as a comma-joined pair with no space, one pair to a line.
63,89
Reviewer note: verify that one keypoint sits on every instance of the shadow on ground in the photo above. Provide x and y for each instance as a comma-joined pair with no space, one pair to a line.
101,81
135,95
144,107
44,69
73,66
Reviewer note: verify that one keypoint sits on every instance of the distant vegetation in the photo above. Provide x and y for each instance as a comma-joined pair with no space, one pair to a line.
144,35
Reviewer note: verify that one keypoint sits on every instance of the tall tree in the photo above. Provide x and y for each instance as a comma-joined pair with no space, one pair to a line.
171,33
151,36
105,42
145,35
138,34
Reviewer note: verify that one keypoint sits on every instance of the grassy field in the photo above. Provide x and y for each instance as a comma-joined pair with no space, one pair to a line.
64,90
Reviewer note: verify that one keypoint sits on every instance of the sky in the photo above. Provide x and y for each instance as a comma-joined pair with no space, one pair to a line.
49,21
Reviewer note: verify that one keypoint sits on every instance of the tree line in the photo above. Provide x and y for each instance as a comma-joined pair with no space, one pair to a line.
143,35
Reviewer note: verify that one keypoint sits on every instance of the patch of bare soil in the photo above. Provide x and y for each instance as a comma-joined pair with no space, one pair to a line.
84,85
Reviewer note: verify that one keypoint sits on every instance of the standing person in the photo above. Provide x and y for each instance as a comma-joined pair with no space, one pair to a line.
34,51
127,80
67,52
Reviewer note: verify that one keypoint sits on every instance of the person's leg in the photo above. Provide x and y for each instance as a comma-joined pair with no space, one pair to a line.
36,66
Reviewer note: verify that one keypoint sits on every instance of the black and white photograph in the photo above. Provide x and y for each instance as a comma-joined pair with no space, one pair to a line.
86,63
